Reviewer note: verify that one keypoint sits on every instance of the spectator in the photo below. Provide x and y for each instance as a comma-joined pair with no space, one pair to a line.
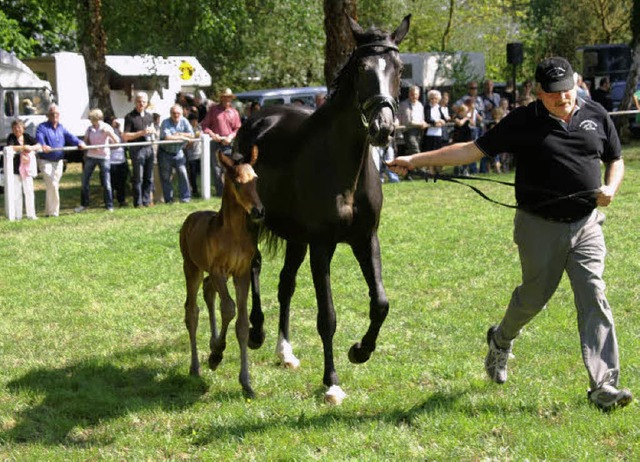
157,195
200,101
221,124
52,136
581,86
444,107
172,156
554,232
193,151
602,94
138,127
490,100
462,133
476,100
99,133
118,167
435,120
24,168
320,99
411,117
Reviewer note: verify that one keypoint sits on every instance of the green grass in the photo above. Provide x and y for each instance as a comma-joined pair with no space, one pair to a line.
95,354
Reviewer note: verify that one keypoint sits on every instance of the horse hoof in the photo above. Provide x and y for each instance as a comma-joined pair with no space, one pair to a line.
248,393
194,371
358,355
256,338
214,360
334,395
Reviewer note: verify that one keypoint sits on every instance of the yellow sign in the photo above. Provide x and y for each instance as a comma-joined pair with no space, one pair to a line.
186,70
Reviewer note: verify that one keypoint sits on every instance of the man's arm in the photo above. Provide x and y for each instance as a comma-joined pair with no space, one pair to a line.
613,175
454,154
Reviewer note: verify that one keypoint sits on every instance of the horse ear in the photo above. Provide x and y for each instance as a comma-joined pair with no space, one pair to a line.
355,27
223,160
254,155
399,34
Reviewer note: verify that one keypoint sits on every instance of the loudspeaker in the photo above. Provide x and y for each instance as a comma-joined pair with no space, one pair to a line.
514,53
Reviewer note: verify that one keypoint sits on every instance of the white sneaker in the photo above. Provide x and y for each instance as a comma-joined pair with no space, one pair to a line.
80,209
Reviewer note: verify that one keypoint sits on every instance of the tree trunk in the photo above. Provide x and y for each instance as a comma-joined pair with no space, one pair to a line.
340,41
93,46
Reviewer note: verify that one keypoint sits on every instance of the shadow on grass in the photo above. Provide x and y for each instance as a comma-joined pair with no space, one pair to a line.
84,394
454,402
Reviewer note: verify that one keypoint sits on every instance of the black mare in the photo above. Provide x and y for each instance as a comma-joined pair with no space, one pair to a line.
319,186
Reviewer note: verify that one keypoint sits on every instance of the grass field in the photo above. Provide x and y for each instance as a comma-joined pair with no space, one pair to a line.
95,354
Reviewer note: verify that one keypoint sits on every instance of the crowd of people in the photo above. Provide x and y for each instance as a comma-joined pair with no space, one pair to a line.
154,166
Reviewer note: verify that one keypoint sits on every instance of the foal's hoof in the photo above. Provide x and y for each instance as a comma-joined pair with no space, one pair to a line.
256,338
358,355
214,360
334,395
194,371
248,393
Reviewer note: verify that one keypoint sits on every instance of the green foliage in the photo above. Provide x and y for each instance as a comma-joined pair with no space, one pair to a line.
95,354
249,43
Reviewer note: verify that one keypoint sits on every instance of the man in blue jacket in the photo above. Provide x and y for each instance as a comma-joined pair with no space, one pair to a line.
52,136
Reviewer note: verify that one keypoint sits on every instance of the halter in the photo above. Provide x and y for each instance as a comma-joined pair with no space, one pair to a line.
375,103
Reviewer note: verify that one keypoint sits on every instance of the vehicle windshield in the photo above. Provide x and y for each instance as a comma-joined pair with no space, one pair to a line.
27,101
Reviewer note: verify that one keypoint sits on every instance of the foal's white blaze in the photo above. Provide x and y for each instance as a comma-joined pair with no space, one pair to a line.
285,353
334,395
382,64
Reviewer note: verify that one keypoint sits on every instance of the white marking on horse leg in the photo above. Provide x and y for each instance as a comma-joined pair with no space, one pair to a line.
334,395
285,353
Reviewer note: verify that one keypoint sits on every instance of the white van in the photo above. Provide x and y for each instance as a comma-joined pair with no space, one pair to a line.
270,97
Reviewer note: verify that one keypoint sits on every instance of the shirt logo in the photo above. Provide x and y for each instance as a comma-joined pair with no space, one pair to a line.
588,125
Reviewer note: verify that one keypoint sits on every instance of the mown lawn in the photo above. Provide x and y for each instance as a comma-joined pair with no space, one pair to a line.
95,354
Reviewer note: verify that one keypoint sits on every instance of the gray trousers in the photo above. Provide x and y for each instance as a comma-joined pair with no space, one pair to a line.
548,249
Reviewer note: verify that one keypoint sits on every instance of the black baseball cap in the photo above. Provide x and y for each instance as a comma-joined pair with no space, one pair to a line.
555,74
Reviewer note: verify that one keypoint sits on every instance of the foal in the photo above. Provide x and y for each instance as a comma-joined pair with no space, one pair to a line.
223,244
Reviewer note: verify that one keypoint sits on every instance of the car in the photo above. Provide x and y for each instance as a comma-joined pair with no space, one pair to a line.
617,92
270,97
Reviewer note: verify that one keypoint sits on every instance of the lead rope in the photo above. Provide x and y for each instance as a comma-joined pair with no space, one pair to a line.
583,196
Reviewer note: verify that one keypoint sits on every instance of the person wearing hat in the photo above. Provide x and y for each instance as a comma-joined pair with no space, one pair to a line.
558,143
221,123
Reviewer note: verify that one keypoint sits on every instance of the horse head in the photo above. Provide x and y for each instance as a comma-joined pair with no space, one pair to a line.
377,80
243,179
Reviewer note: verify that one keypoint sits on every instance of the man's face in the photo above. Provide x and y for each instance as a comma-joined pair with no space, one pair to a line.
473,88
226,100
141,103
559,104
53,115
413,95
176,113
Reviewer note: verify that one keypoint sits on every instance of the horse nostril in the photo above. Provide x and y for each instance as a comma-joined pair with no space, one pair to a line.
257,213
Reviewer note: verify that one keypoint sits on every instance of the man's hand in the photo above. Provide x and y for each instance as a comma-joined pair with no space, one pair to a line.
400,166
605,195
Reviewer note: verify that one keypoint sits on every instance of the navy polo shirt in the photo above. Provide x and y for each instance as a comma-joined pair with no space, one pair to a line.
554,159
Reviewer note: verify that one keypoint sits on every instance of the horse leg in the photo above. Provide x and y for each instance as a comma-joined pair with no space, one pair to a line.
242,331
227,312
209,294
321,255
368,255
294,257
193,276
256,333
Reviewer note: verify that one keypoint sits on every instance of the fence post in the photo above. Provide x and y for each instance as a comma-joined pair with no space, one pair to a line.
9,184
205,167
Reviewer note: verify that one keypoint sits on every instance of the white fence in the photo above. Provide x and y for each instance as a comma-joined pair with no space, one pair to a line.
9,186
